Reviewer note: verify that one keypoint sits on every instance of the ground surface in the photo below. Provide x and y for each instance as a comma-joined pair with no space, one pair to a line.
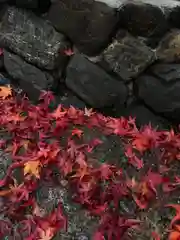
105,173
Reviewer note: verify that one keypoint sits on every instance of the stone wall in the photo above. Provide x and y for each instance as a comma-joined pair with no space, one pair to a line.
120,57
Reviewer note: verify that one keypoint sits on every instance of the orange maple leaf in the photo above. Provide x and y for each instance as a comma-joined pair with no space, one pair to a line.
47,234
5,192
12,188
5,91
32,168
58,112
175,233
141,144
77,132
15,118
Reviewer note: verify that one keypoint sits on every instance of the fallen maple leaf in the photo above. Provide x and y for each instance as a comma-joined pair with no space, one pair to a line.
77,132
81,173
47,97
106,171
141,144
5,192
32,168
69,52
37,211
15,118
47,234
59,112
5,91
175,233
88,112
98,210
98,236
142,192
155,236
74,113
145,139
177,217
132,158
25,144
81,160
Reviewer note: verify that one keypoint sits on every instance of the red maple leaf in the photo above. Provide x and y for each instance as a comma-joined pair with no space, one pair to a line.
105,171
145,191
98,210
69,52
84,188
94,143
65,165
155,236
98,187
114,226
98,236
81,172
132,158
47,98
177,217
81,160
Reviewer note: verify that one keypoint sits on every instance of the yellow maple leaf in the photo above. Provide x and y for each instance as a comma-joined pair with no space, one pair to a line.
5,91
32,168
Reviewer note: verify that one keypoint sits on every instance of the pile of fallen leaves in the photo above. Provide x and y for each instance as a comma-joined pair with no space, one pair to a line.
42,140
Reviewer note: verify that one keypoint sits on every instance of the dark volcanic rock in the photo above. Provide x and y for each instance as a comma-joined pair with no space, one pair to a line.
99,31
143,19
19,69
174,17
4,79
160,89
145,116
169,48
1,61
71,17
89,24
32,38
67,98
127,56
93,84
35,5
